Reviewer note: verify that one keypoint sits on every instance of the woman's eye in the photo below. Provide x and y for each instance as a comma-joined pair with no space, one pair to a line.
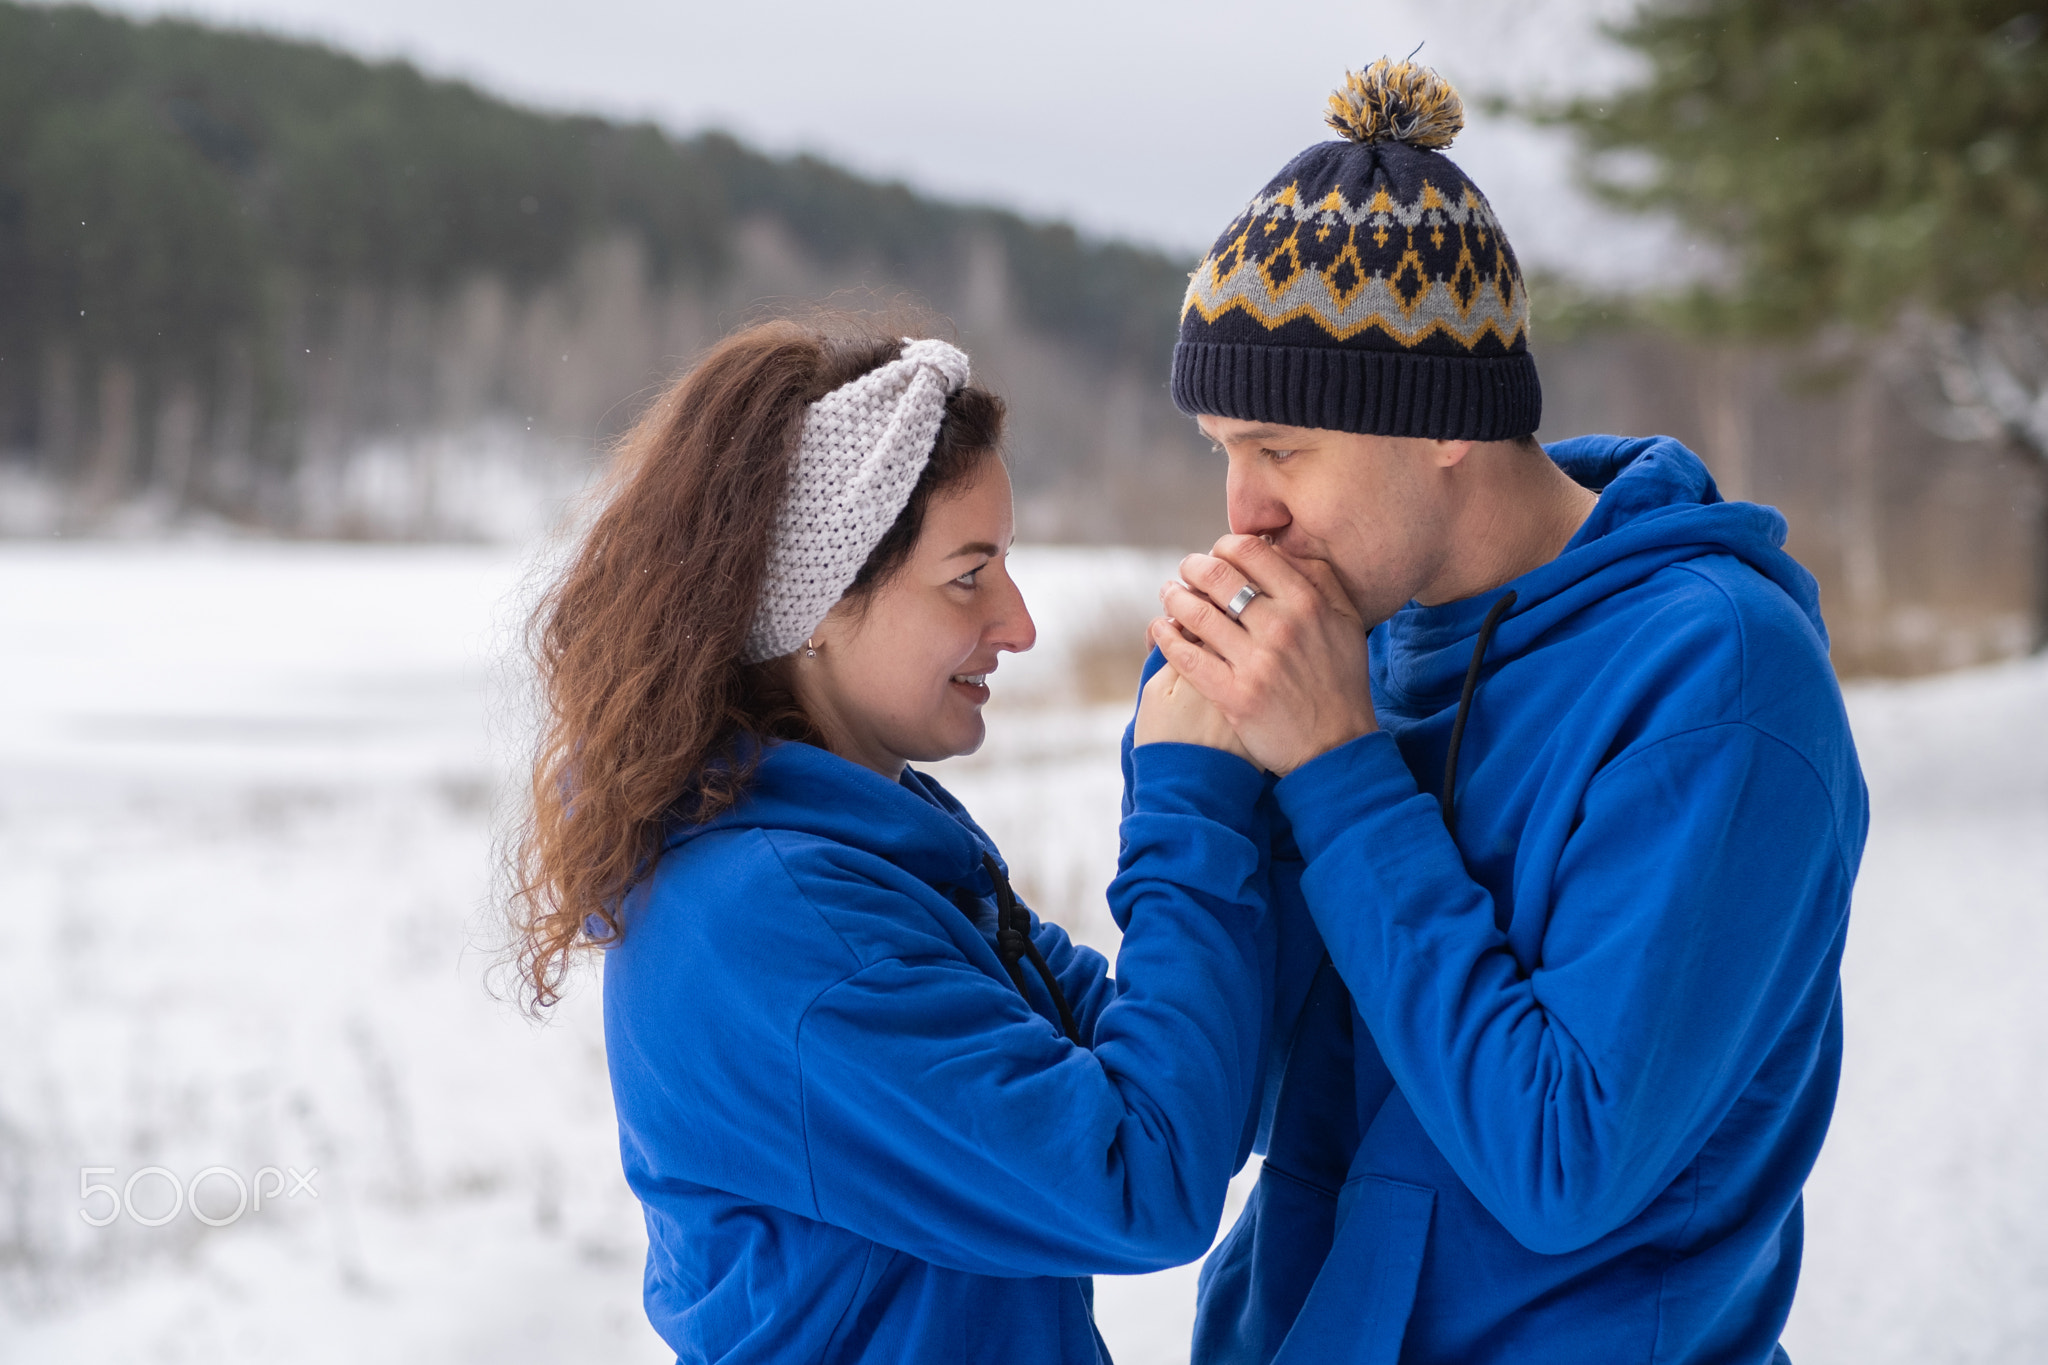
966,580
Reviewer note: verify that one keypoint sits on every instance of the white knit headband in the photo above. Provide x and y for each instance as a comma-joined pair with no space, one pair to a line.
863,447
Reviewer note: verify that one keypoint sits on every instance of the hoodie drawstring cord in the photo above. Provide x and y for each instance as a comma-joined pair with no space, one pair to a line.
1486,629
1013,943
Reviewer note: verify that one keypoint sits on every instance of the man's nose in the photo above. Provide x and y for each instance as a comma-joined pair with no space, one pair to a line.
1252,508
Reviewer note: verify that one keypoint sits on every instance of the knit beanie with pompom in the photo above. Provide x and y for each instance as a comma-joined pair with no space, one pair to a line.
1368,288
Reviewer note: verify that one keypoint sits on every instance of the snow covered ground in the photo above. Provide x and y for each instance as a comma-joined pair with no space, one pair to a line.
246,850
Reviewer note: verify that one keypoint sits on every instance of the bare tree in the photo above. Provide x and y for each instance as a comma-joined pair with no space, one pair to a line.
1993,378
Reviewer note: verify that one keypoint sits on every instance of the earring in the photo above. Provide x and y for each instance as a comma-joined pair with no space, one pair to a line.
810,649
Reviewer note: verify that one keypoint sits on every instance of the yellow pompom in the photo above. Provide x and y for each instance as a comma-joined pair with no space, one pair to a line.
1397,102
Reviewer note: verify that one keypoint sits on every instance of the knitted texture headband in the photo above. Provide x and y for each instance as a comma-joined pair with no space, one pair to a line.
864,445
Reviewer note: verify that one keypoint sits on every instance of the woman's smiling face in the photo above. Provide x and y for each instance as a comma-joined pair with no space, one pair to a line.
902,676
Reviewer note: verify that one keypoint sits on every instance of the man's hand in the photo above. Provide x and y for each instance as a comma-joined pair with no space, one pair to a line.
1290,675
1170,710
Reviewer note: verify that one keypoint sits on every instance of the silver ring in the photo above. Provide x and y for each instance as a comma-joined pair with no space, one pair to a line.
1243,598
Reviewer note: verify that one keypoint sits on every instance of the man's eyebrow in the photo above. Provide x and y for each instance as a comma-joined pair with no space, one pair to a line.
1250,434
975,547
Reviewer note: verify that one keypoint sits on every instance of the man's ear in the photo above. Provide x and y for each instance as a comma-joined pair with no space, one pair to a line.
1450,454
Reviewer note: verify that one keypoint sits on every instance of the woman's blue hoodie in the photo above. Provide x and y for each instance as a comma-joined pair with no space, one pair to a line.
854,1139
1553,1093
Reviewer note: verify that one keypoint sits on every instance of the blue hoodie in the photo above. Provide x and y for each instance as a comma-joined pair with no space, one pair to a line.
1553,1092
852,1136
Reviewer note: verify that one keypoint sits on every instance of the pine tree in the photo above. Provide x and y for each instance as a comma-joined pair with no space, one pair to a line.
1880,164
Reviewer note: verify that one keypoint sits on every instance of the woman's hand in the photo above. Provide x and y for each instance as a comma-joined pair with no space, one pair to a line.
1170,711
1291,671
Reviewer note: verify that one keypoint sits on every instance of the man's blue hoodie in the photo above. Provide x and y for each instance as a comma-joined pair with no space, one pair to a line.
1553,1092
854,1139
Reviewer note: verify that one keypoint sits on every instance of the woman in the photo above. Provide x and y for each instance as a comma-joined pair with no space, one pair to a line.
873,1107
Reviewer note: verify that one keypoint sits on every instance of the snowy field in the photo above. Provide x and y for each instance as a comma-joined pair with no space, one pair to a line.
246,850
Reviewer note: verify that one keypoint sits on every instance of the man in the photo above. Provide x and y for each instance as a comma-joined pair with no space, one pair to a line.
1563,846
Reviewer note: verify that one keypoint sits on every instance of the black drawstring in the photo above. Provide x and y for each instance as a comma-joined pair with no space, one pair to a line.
1013,943
1500,609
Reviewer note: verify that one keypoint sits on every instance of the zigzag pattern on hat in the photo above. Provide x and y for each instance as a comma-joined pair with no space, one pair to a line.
1436,266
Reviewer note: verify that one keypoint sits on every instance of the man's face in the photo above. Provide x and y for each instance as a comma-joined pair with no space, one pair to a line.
1376,509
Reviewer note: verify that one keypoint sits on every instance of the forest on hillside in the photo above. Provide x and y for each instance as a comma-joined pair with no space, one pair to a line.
254,285
157,173
181,205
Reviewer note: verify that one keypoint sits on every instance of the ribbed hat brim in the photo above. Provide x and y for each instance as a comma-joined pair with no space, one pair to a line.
1376,393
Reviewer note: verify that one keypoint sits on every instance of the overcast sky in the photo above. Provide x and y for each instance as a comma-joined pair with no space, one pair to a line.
1147,119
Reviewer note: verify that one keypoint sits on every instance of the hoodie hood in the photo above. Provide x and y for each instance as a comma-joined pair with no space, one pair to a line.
1658,506
914,823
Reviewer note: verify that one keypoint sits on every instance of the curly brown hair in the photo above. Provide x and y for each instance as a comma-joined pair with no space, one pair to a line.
638,644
